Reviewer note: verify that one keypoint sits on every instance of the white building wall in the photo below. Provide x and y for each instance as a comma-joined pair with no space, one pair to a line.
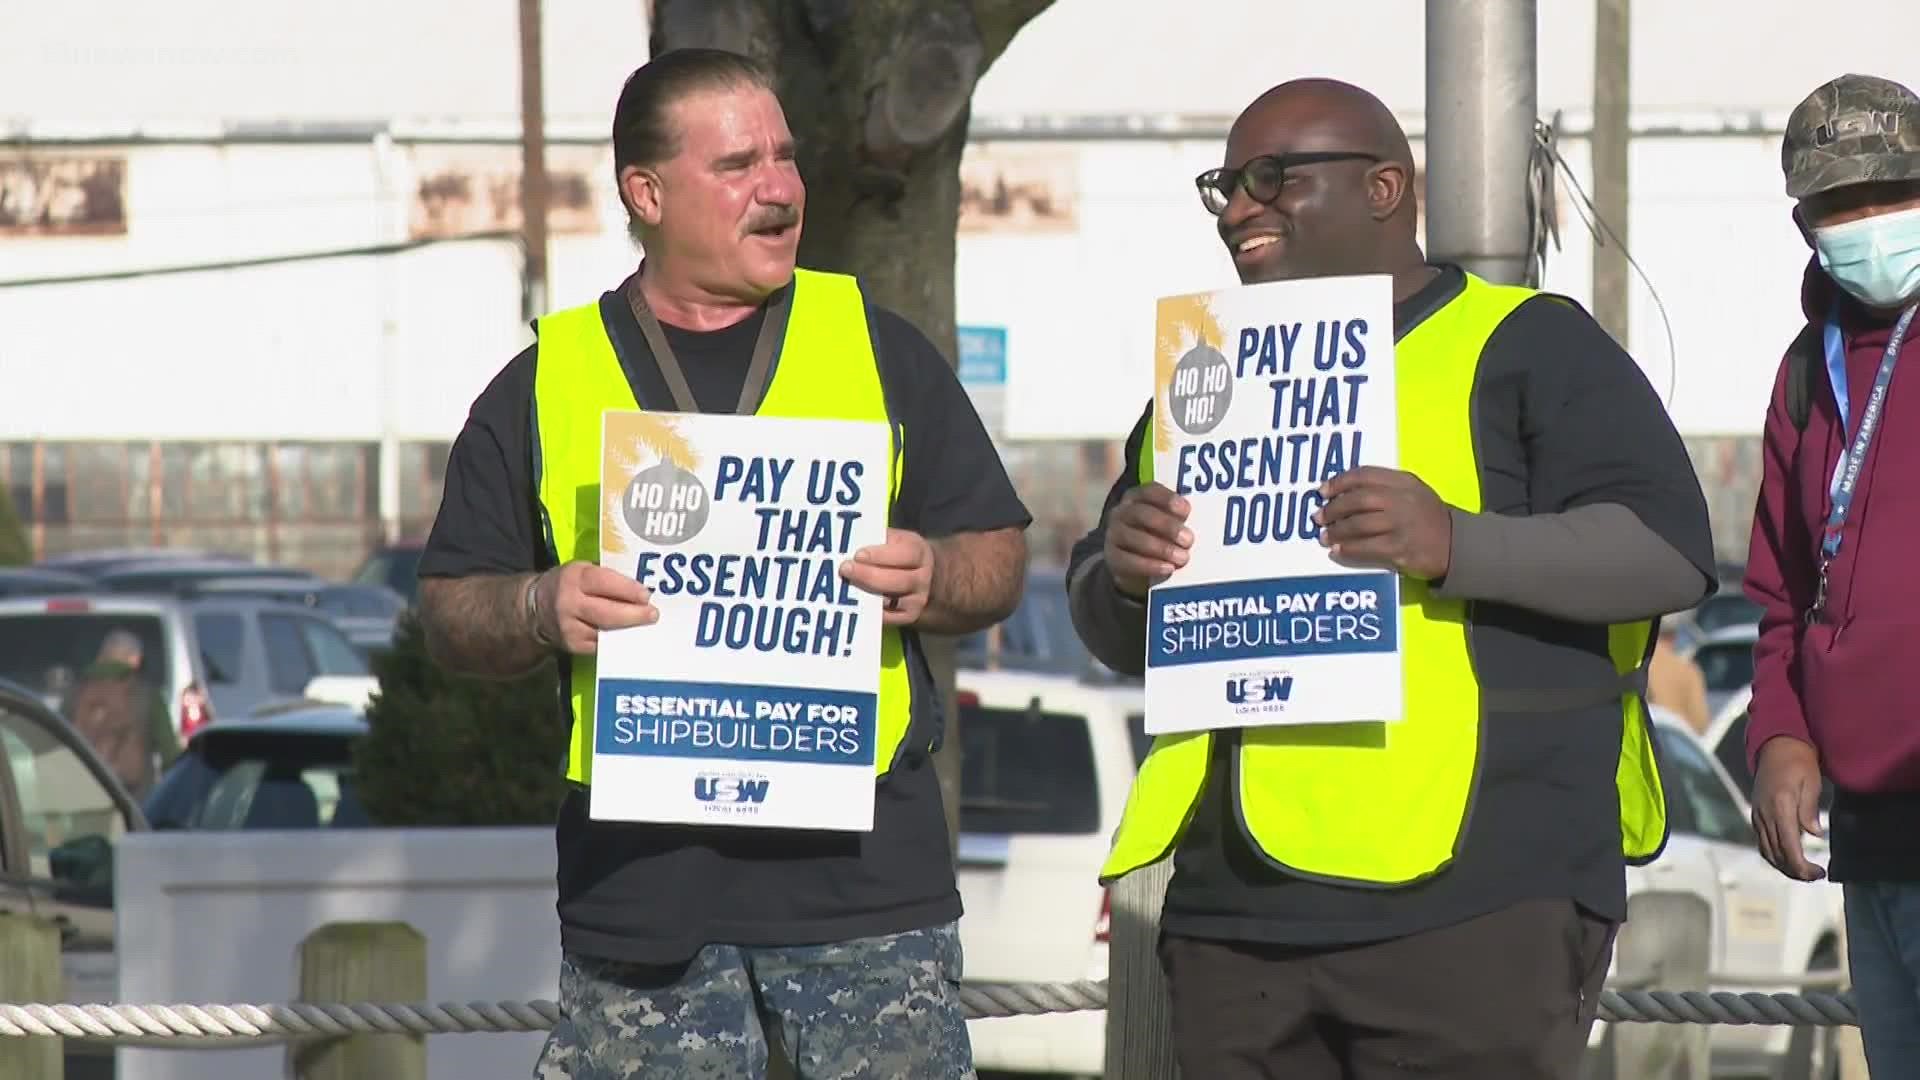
107,65
395,347
1709,228
362,347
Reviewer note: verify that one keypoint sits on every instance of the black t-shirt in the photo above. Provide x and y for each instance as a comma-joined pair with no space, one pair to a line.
657,893
1562,417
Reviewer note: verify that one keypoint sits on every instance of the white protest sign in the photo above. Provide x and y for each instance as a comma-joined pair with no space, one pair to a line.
753,701
1262,393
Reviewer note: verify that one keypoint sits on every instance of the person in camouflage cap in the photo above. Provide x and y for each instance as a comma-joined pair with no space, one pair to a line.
1833,680
1856,129
1852,159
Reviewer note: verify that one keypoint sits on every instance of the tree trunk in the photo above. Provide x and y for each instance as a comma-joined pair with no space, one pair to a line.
877,93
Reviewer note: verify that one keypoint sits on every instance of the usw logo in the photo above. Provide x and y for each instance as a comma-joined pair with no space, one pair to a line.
730,789
1252,691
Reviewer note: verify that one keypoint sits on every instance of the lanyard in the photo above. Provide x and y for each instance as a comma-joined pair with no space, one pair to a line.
1846,473
751,387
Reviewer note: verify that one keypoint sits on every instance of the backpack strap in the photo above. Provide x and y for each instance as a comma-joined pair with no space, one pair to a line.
1806,360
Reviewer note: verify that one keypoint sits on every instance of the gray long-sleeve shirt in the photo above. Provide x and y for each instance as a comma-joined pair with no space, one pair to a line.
1590,515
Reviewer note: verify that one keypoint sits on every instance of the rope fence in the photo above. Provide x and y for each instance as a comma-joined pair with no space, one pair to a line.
151,1025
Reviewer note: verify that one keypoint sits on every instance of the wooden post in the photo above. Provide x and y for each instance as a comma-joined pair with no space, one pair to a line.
1665,945
533,162
1139,1028
30,972
342,963
1612,136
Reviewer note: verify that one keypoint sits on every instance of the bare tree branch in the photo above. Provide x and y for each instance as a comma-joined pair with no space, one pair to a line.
735,25
999,20
926,84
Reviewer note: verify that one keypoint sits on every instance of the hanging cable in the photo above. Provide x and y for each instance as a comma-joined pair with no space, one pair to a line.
1546,146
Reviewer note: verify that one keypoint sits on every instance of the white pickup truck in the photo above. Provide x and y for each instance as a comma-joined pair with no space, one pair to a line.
1047,760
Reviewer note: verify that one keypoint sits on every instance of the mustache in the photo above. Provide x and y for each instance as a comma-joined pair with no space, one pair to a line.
774,217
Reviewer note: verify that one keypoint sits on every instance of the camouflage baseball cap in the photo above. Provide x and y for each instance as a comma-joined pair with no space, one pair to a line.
1854,130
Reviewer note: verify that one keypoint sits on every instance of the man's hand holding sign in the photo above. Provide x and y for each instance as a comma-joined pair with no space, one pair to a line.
1385,519
571,605
1373,517
1147,538
899,571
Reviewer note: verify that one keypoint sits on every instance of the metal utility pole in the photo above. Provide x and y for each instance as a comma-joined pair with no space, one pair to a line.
1612,65
533,163
1481,105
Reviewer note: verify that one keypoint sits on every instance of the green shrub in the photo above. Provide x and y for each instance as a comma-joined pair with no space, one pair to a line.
14,548
450,750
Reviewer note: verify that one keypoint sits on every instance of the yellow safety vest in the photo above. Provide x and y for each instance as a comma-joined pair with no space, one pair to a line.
1390,809
825,369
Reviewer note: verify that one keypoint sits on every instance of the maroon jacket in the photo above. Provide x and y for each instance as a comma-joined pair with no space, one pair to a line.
1849,684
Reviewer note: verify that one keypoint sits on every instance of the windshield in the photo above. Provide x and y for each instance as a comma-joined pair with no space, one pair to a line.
259,780
1137,734
361,602
1726,666
395,568
1026,771
1725,609
49,651
167,579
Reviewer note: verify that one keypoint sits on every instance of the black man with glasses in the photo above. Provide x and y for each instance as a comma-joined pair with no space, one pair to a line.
1540,537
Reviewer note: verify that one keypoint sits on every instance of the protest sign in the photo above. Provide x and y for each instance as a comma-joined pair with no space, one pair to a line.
1262,393
753,700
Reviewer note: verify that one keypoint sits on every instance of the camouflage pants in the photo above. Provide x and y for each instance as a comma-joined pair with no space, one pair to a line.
884,1008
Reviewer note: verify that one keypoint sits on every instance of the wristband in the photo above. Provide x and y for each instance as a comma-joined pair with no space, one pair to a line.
532,607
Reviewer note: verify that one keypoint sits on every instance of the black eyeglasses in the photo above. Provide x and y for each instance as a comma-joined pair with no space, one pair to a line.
1261,177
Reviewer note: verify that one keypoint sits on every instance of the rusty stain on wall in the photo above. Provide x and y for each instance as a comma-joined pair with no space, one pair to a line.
1019,190
42,195
461,190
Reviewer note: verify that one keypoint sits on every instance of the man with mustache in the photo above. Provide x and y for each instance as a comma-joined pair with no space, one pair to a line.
1828,560
687,949
1436,896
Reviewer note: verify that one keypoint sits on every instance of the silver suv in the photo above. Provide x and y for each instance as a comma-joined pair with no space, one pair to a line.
207,656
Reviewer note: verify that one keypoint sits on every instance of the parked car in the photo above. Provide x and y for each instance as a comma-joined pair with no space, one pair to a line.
1726,609
175,575
97,561
1043,751
365,613
1046,762
1725,658
40,581
61,814
1763,923
1038,637
209,657
396,566
287,766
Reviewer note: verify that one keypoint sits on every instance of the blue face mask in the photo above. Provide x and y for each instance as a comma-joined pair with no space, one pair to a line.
1876,259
